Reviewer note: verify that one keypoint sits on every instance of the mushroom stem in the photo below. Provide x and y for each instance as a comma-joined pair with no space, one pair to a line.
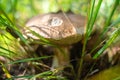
61,57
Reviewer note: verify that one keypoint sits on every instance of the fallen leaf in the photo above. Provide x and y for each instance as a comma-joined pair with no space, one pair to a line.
112,73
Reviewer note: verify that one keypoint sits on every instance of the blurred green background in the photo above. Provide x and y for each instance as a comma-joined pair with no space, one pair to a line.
21,10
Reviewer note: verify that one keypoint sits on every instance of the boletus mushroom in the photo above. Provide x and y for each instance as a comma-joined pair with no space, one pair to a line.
63,29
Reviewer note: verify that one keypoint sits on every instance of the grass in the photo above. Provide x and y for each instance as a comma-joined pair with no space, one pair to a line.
92,15
5,70
12,48
91,20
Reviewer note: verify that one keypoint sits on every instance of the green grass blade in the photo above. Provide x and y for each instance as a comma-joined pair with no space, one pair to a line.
7,50
105,29
6,53
48,75
42,39
113,36
90,15
23,77
8,75
42,75
115,23
89,29
112,12
28,59
94,17
8,23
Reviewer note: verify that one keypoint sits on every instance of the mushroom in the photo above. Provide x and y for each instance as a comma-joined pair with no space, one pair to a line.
61,29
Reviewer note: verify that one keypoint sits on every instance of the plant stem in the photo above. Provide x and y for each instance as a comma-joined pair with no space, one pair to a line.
61,57
91,21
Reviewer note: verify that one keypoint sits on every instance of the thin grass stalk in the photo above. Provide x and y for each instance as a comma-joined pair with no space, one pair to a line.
90,15
6,49
94,17
8,75
90,24
107,27
29,59
42,75
112,12
113,36
28,77
3,12
43,40
116,22
85,42
91,68
7,22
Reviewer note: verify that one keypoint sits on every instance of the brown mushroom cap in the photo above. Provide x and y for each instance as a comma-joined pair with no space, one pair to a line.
59,28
